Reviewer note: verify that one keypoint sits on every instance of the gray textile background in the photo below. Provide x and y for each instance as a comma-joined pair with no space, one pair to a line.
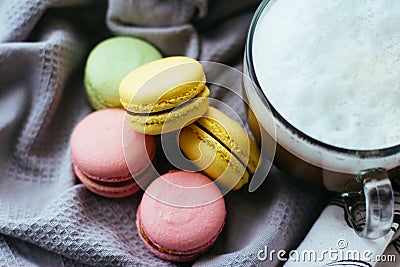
46,218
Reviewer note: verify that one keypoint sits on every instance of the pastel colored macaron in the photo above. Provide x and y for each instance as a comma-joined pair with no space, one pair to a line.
165,95
110,158
169,227
221,148
109,62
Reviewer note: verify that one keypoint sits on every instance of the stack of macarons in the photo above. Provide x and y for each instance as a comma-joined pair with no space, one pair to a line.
138,96
99,153
171,94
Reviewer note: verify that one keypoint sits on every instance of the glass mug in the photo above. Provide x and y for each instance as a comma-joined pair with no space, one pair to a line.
356,173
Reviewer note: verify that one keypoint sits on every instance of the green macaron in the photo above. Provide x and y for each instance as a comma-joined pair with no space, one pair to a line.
109,62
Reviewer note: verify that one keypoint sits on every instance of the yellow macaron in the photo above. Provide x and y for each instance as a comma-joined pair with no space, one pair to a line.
221,148
164,95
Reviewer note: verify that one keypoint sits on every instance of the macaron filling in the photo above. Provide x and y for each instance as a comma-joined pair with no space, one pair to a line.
204,93
117,181
114,184
187,253
162,84
103,179
215,137
233,136
114,189
179,117
168,104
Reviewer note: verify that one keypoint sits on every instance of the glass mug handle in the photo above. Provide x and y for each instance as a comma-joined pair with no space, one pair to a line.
369,203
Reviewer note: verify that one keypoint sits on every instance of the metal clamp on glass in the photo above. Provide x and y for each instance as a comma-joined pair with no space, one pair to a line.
369,203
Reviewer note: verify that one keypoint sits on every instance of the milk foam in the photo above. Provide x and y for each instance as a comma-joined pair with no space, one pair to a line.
332,69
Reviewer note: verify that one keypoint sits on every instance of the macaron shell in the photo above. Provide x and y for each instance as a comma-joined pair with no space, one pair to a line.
117,190
109,62
153,124
212,158
233,136
181,229
221,148
139,149
162,84
98,102
167,255
97,147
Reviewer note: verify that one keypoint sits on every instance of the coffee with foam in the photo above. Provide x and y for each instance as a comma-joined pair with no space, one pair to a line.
332,69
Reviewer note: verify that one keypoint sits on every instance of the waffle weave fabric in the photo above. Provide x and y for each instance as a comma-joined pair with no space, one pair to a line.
46,217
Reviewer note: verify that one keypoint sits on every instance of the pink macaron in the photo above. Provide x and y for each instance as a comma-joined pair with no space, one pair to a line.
109,157
180,216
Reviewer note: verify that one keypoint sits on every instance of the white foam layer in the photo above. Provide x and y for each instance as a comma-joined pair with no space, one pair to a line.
332,69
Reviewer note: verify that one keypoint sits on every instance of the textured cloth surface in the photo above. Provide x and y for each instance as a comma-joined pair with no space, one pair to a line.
46,217
341,246
342,240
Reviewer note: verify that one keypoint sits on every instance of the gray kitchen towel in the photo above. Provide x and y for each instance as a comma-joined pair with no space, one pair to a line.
46,217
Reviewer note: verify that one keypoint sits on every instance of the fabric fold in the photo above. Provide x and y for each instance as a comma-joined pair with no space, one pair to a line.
42,97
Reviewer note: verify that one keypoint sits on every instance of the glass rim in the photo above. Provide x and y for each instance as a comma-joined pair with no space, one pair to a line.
361,153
